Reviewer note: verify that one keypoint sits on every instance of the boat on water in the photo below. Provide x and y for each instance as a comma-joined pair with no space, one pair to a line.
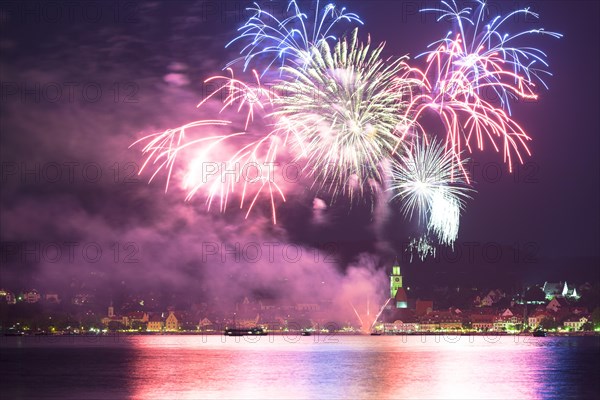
375,333
256,331
305,333
539,333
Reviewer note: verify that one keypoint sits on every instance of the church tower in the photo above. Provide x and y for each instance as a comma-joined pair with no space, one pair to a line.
111,310
395,279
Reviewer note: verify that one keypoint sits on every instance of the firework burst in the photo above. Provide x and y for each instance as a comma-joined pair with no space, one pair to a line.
346,109
427,181
290,40
488,58
343,113
472,74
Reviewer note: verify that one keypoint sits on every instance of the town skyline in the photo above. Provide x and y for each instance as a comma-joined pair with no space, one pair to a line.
556,306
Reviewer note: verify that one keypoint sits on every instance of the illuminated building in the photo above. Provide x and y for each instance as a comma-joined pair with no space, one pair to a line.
172,322
111,310
556,304
120,321
536,318
7,296
397,292
575,323
559,289
155,323
395,279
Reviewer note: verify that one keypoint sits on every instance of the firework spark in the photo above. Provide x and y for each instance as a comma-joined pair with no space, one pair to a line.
346,111
466,67
292,38
336,107
427,181
422,246
249,171
379,313
487,57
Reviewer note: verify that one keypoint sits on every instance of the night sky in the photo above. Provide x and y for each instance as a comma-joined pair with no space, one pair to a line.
81,83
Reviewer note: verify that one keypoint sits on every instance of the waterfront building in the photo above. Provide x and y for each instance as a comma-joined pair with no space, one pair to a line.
397,292
155,323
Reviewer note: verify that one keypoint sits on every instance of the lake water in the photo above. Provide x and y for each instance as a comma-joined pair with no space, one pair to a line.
349,367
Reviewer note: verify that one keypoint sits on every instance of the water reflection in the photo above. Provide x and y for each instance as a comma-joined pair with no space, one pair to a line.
355,366
196,367
382,367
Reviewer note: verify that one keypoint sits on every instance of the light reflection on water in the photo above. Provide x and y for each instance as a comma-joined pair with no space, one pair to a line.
355,366
193,367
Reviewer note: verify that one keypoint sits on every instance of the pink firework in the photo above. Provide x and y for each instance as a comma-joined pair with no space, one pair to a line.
249,170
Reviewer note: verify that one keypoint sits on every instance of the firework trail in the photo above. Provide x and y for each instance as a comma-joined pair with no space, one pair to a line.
339,110
357,315
367,327
379,313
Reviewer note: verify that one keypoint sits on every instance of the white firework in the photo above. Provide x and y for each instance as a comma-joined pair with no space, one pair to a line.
421,246
428,180
444,215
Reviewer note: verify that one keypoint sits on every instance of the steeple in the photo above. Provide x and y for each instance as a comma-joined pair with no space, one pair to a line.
395,279
396,268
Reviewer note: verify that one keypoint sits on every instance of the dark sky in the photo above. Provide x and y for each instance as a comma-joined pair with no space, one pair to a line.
82,81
